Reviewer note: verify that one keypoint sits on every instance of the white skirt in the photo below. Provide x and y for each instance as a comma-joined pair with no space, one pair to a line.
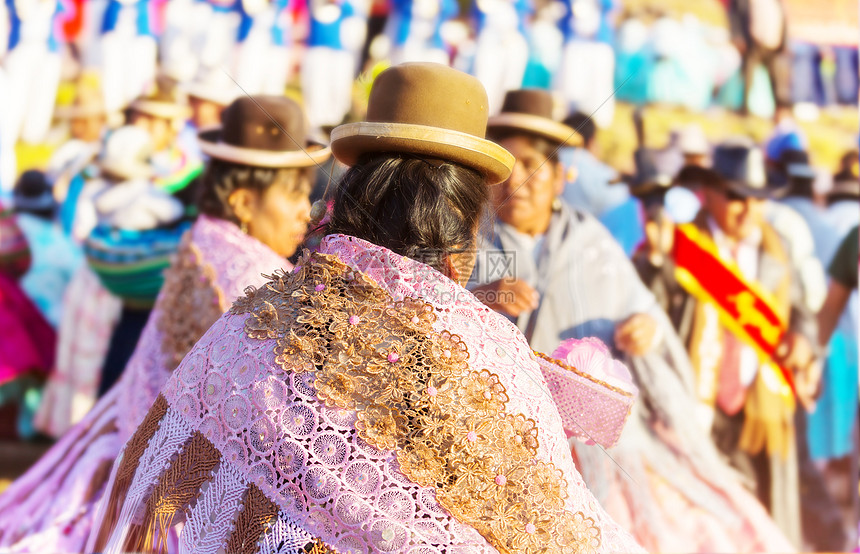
500,63
327,76
586,79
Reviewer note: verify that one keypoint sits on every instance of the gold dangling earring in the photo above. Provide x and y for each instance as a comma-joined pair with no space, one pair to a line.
243,226
556,204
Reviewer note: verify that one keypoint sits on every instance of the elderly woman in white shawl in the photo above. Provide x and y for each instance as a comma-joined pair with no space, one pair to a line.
558,274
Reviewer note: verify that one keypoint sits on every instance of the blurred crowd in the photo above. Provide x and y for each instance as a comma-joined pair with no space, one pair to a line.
723,272
584,49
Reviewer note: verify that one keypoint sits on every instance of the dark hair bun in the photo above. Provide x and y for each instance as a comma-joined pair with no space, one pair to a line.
422,209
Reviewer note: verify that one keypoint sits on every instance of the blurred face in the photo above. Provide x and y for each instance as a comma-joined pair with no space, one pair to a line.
700,160
205,113
278,217
659,231
161,130
87,129
781,113
524,201
737,217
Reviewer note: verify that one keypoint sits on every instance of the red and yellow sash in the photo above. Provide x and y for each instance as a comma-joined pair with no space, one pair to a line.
745,309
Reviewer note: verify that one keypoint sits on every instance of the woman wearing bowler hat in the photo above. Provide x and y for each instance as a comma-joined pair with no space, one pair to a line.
254,212
561,276
366,401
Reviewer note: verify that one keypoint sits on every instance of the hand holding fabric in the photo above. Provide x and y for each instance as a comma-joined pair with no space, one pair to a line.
796,354
636,335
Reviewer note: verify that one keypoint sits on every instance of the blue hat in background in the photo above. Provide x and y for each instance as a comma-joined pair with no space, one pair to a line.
791,140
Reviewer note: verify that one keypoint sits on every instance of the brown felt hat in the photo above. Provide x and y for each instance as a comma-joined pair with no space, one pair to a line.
213,86
430,110
161,109
263,131
164,101
530,111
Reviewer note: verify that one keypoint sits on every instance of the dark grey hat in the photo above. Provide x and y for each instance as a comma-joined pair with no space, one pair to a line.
649,180
845,183
797,166
741,170
33,193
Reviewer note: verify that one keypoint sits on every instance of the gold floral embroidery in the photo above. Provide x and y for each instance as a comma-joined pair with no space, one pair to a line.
194,300
578,529
414,393
482,392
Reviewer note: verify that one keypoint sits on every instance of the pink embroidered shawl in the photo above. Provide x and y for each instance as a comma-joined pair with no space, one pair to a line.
234,261
364,403
51,507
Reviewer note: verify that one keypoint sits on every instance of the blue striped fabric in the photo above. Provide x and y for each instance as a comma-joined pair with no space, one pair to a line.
131,264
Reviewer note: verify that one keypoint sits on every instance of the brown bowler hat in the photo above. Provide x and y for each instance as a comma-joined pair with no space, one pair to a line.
162,107
263,131
426,109
530,111
164,101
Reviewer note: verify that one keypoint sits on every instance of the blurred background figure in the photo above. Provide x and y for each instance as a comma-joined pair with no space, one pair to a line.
694,146
415,28
587,70
27,343
329,65
833,431
546,42
181,41
54,256
208,95
687,146
134,227
32,67
87,120
799,221
501,51
596,188
265,58
758,29
843,196
163,114
128,50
